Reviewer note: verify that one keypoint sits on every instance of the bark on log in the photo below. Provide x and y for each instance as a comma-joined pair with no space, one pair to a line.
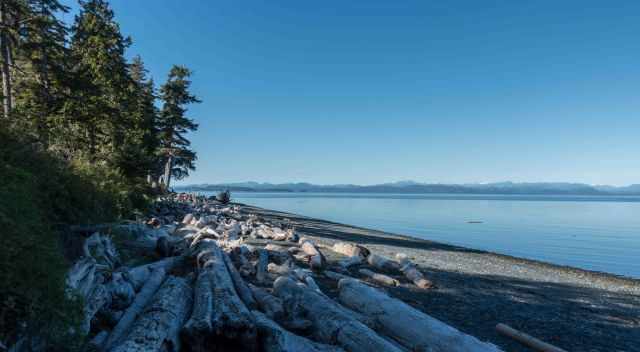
274,338
331,324
261,267
146,293
350,249
383,263
157,327
379,278
316,260
412,328
230,320
241,287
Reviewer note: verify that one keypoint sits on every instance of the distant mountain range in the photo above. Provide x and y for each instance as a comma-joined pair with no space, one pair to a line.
548,188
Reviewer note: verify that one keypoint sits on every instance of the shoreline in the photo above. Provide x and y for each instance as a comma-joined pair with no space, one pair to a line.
576,309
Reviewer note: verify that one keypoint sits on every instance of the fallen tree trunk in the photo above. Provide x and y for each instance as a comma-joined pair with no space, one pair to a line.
241,287
379,278
330,324
141,300
412,328
274,338
383,263
231,322
140,274
350,249
157,327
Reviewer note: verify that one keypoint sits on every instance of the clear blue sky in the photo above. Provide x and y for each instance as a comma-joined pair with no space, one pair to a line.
375,91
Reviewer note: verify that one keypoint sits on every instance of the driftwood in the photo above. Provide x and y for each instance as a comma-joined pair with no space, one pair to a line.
350,261
241,287
412,273
335,276
316,259
157,327
527,340
383,263
279,270
99,297
274,338
330,324
413,329
146,293
223,317
140,274
261,267
121,290
269,304
350,249
379,278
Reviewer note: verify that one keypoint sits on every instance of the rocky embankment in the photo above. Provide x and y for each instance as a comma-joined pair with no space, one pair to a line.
198,275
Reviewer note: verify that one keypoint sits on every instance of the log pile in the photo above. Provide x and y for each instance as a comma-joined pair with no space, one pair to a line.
226,280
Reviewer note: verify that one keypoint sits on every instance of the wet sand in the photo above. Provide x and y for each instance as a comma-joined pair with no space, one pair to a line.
574,309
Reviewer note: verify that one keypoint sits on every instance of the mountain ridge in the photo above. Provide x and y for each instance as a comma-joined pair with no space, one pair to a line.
408,186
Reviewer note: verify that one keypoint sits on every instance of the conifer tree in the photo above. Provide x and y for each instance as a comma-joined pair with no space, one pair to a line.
173,125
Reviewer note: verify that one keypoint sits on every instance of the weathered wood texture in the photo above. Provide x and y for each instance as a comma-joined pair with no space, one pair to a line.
330,324
146,293
274,338
410,327
241,287
157,327
379,278
316,259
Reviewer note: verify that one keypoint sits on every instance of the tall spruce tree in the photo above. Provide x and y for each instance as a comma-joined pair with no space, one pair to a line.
177,157
102,103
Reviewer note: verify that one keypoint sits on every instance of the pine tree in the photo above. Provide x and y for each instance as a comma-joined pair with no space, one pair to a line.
177,157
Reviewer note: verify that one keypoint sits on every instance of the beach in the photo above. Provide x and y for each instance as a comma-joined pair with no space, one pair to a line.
577,310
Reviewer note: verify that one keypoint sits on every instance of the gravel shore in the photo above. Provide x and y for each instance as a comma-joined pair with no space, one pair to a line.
574,309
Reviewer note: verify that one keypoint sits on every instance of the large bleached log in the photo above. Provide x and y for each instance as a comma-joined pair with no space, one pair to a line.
412,328
157,327
230,319
241,287
381,262
331,324
316,260
411,272
379,278
350,249
274,338
146,293
271,305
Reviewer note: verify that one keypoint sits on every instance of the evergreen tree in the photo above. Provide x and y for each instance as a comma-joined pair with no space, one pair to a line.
101,104
177,157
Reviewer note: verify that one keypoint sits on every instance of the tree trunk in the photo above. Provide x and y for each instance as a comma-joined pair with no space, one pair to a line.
167,172
331,324
276,339
5,51
412,328
141,300
157,327
223,320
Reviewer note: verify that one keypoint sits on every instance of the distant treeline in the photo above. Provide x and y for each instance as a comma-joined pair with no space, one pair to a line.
84,134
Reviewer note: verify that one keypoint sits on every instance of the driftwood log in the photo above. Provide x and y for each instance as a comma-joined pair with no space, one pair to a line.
316,259
527,340
140,274
350,249
269,304
241,287
412,328
157,327
379,278
274,338
261,266
383,263
220,318
330,324
126,321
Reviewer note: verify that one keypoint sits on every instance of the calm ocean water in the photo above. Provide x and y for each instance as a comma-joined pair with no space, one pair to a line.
590,232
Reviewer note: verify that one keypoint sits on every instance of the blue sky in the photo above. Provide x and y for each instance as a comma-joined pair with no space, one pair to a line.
374,91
